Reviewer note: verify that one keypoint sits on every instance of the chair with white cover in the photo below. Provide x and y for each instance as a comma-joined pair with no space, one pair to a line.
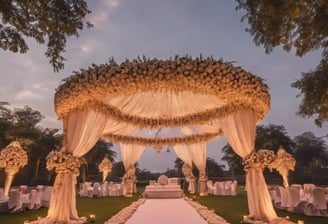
227,187
276,199
104,189
15,203
2,195
45,200
233,188
96,190
308,189
113,190
219,188
210,187
294,203
283,198
30,203
84,192
38,197
316,206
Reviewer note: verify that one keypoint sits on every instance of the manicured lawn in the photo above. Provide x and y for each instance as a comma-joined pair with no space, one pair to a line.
230,208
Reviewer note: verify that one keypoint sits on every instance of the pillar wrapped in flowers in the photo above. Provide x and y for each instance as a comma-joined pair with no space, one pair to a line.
105,166
283,163
190,178
67,168
202,183
254,164
129,179
12,158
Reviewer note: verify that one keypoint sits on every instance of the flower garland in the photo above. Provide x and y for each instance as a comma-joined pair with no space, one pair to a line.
64,162
187,172
200,76
13,157
130,175
259,160
159,142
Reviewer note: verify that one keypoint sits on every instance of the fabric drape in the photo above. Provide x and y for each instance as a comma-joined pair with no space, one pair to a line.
82,131
183,153
131,154
239,130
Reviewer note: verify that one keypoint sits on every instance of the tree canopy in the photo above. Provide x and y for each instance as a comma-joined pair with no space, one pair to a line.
301,25
51,22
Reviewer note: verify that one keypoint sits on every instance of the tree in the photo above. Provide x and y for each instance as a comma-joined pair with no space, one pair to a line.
300,25
51,21
272,137
311,159
310,149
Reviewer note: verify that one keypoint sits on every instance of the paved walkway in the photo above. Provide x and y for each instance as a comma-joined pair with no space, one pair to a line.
166,211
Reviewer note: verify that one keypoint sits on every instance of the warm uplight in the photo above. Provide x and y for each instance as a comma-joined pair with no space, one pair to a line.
244,218
39,217
300,221
92,217
26,222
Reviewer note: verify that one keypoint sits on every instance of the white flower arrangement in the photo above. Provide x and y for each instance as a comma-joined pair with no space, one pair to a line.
13,157
105,165
64,162
130,175
238,88
261,159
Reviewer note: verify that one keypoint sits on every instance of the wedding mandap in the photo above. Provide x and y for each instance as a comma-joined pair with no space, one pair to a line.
181,102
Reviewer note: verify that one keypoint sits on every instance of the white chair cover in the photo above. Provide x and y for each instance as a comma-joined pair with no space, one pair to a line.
317,204
283,197
46,196
233,188
15,203
210,186
104,189
96,190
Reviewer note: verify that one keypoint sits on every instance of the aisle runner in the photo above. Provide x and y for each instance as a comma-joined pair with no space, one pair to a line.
164,211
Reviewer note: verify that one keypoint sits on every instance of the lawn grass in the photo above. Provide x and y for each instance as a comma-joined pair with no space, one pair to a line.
231,208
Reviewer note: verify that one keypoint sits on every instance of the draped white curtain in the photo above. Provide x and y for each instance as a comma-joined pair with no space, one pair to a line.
131,154
183,153
82,131
239,130
198,155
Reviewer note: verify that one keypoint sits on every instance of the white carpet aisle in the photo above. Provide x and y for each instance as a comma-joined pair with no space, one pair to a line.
166,211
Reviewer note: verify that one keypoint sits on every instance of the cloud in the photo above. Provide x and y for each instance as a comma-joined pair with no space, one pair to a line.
28,95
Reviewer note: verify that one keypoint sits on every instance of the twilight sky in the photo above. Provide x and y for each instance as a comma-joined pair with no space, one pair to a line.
162,29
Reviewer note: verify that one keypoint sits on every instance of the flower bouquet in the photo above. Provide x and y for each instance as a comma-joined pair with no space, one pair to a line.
64,162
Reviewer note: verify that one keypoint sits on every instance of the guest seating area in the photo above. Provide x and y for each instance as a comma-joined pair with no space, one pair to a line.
164,188
305,199
24,197
91,190
222,188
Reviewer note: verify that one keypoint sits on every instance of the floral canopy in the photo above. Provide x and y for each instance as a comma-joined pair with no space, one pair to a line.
181,102
183,96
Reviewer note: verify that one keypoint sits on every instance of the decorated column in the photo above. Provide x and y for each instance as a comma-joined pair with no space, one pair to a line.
105,167
129,179
202,182
283,164
190,178
12,158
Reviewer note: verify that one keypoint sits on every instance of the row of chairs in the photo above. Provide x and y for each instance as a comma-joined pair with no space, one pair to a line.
223,188
105,189
293,199
36,198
